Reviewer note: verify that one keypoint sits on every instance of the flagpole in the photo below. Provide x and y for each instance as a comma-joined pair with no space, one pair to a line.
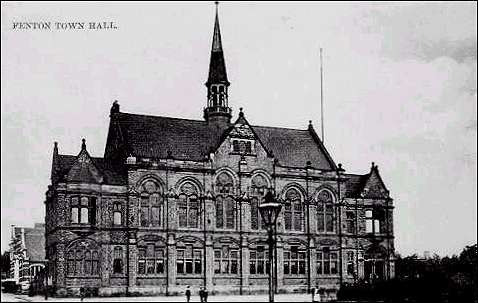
321,96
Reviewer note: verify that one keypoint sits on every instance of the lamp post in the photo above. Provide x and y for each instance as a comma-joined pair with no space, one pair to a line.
46,278
270,210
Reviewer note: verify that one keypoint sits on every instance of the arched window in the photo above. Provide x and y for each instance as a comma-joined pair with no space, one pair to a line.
117,214
258,191
325,211
350,221
83,259
118,260
293,211
151,211
225,204
188,206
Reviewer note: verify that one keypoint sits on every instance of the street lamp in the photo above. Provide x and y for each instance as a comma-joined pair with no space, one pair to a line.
45,271
270,210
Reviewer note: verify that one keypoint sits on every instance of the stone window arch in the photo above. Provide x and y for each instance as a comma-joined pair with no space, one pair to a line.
83,259
325,211
225,203
117,214
188,205
151,204
293,210
118,260
259,186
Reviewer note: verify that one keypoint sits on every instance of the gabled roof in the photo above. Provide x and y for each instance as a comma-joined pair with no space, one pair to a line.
157,137
369,185
354,185
112,174
84,170
293,147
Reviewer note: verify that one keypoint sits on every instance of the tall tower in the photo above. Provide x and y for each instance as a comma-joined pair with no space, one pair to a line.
217,109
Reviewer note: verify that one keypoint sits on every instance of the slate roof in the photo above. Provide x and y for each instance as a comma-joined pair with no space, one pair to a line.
294,147
114,175
155,136
355,185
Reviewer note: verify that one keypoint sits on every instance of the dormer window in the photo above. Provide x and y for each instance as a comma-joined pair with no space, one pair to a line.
242,146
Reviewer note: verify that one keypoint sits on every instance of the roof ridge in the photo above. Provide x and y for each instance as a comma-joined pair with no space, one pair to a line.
278,127
164,117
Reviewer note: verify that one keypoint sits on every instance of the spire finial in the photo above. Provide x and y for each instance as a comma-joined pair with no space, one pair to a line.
115,108
83,144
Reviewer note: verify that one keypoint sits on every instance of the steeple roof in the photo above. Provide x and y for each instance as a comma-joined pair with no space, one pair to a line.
217,65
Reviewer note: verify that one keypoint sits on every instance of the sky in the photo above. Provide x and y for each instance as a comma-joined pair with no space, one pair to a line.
399,90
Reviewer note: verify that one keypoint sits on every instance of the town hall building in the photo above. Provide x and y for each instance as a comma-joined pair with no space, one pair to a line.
174,202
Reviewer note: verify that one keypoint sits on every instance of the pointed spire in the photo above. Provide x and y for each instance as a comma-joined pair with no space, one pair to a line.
83,144
217,65
217,110
216,40
55,148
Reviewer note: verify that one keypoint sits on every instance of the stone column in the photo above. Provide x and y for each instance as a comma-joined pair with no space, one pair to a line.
209,267
61,266
105,265
171,261
280,264
245,265
313,263
133,257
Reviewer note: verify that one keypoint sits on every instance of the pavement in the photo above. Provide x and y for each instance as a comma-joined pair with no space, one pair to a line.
7,297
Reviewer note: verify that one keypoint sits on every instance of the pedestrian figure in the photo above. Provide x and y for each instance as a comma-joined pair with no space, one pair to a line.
201,294
188,294
205,293
82,293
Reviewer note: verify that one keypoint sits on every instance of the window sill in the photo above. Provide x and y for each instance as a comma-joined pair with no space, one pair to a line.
189,276
226,275
152,276
84,277
118,275
293,276
226,229
243,154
